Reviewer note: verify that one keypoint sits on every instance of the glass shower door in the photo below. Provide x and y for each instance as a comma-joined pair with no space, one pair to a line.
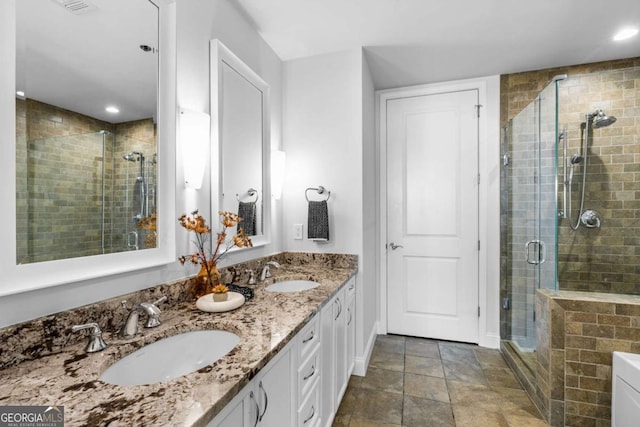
531,216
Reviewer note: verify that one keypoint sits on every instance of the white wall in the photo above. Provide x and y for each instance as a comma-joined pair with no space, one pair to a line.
368,302
198,21
324,139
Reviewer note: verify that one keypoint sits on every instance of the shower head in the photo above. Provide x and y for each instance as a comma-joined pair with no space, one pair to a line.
576,159
600,119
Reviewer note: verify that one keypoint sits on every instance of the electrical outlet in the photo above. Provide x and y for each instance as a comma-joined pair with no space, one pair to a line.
297,231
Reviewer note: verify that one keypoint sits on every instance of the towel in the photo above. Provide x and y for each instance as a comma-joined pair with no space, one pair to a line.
247,211
318,226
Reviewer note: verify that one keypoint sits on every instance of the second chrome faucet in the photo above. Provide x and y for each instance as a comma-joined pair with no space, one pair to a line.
130,327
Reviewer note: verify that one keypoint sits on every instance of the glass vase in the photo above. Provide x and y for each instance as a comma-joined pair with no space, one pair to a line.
205,282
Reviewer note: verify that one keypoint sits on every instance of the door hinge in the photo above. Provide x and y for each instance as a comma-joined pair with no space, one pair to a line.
478,179
478,311
478,244
478,106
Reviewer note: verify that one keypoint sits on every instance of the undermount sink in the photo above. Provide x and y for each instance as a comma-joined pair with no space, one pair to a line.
170,358
292,286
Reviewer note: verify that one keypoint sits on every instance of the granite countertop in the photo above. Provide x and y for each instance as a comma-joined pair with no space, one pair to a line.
265,325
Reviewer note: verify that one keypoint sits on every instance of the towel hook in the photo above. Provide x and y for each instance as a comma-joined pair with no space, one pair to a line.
250,192
319,190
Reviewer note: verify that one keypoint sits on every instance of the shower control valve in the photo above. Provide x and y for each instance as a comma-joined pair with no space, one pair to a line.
591,218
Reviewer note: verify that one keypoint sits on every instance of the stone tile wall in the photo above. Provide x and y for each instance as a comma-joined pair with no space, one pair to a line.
577,334
602,260
59,188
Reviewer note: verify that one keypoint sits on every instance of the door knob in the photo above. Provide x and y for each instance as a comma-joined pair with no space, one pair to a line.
393,246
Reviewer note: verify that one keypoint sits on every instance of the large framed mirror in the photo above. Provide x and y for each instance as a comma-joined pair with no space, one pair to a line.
240,143
89,105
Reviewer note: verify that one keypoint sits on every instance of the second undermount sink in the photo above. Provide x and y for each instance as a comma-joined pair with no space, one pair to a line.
170,358
292,286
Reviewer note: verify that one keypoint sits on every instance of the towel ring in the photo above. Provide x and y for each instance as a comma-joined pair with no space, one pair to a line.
319,190
250,192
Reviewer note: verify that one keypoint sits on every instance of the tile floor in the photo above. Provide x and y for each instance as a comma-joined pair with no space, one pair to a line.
415,382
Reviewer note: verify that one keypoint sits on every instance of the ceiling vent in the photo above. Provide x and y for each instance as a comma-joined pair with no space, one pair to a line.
77,7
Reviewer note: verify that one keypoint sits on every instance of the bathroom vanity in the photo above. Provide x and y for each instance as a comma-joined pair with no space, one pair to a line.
296,352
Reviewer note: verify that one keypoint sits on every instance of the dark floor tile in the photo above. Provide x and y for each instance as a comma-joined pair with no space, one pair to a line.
424,366
472,394
516,402
468,416
490,358
390,343
368,423
383,380
422,348
378,406
419,412
457,352
501,377
426,387
463,371
420,382
386,360
520,421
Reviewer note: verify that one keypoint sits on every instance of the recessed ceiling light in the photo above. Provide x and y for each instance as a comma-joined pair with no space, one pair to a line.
111,109
624,34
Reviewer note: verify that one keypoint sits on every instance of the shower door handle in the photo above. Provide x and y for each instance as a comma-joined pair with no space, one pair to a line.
542,252
132,240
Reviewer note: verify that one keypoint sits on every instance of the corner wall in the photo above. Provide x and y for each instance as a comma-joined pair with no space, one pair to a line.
328,142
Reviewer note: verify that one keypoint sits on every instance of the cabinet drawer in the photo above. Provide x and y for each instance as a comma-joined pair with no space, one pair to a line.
309,412
308,373
309,337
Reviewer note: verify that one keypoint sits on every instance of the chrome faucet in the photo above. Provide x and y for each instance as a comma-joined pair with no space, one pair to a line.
266,270
130,327
96,343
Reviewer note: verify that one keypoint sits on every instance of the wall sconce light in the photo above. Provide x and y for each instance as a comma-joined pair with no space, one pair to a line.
277,173
194,140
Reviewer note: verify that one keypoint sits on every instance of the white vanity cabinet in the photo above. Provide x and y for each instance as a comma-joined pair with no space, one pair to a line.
304,383
267,401
351,327
338,342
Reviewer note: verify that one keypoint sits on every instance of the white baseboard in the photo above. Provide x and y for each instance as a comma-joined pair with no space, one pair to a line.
362,362
490,341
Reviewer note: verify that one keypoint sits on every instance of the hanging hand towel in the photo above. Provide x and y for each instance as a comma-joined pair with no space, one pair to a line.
318,226
247,211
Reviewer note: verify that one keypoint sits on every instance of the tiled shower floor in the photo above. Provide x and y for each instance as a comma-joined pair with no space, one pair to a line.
419,382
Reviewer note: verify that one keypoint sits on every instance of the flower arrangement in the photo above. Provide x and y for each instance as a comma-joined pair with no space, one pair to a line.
208,280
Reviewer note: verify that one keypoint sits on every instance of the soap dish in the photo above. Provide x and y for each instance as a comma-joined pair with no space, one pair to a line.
206,303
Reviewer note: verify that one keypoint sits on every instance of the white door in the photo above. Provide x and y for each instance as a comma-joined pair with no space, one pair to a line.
432,215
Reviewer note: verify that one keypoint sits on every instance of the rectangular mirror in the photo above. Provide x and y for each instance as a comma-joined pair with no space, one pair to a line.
91,143
240,142
86,150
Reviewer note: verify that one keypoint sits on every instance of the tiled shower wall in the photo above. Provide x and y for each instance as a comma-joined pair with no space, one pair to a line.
605,259
577,334
61,168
